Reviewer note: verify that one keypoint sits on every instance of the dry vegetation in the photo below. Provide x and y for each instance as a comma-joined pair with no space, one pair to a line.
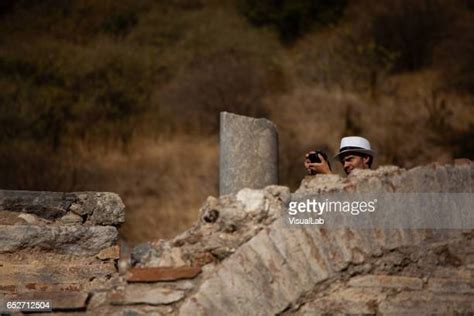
124,95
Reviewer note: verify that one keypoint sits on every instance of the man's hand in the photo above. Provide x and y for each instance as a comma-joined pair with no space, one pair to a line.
316,167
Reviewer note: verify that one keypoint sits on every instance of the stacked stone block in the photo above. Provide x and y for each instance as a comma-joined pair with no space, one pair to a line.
60,247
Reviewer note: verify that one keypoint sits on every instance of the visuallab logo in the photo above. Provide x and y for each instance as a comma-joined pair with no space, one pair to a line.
306,221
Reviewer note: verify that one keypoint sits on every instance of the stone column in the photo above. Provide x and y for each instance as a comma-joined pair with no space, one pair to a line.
248,153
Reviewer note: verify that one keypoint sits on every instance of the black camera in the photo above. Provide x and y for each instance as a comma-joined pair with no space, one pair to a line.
314,158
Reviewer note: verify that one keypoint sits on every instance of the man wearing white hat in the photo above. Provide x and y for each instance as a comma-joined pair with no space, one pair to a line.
354,153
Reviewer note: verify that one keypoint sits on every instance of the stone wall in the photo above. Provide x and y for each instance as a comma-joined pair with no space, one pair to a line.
57,246
238,259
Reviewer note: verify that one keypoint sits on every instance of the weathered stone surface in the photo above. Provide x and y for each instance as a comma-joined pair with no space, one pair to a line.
52,287
51,250
270,271
71,219
289,262
253,200
37,274
16,218
248,153
212,241
322,183
162,274
426,303
337,258
75,240
287,242
141,253
431,178
204,304
345,302
106,208
281,285
453,272
112,252
252,264
146,294
386,281
48,205
100,208
451,285
98,300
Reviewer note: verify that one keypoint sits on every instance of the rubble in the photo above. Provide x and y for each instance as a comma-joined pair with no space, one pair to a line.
239,258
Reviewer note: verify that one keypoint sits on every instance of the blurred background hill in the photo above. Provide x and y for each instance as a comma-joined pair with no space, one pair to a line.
125,95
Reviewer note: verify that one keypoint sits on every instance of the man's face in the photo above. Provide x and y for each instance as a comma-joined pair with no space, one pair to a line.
352,161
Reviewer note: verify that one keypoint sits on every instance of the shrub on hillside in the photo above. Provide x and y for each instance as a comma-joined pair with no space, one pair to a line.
376,39
226,81
411,30
120,23
59,92
455,56
291,18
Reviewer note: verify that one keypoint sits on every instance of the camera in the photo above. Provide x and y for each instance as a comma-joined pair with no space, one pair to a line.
314,158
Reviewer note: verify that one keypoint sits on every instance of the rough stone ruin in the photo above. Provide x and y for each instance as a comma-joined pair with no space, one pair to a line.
237,259
58,246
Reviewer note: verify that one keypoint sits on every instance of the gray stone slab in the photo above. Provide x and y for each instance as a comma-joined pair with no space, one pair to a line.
76,240
97,208
49,205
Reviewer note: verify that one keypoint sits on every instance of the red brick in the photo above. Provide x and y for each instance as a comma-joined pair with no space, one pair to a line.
54,287
162,274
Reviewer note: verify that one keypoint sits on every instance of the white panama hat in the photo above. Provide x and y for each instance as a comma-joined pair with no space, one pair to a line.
354,144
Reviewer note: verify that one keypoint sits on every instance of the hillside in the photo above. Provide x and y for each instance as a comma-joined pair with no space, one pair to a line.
124,96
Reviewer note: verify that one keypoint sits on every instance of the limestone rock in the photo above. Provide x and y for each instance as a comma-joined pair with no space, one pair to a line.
107,209
100,208
225,224
29,218
75,240
48,205
71,219
147,294
112,252
322,183
239,258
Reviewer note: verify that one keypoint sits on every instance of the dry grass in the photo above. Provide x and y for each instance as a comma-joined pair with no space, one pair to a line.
162,183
